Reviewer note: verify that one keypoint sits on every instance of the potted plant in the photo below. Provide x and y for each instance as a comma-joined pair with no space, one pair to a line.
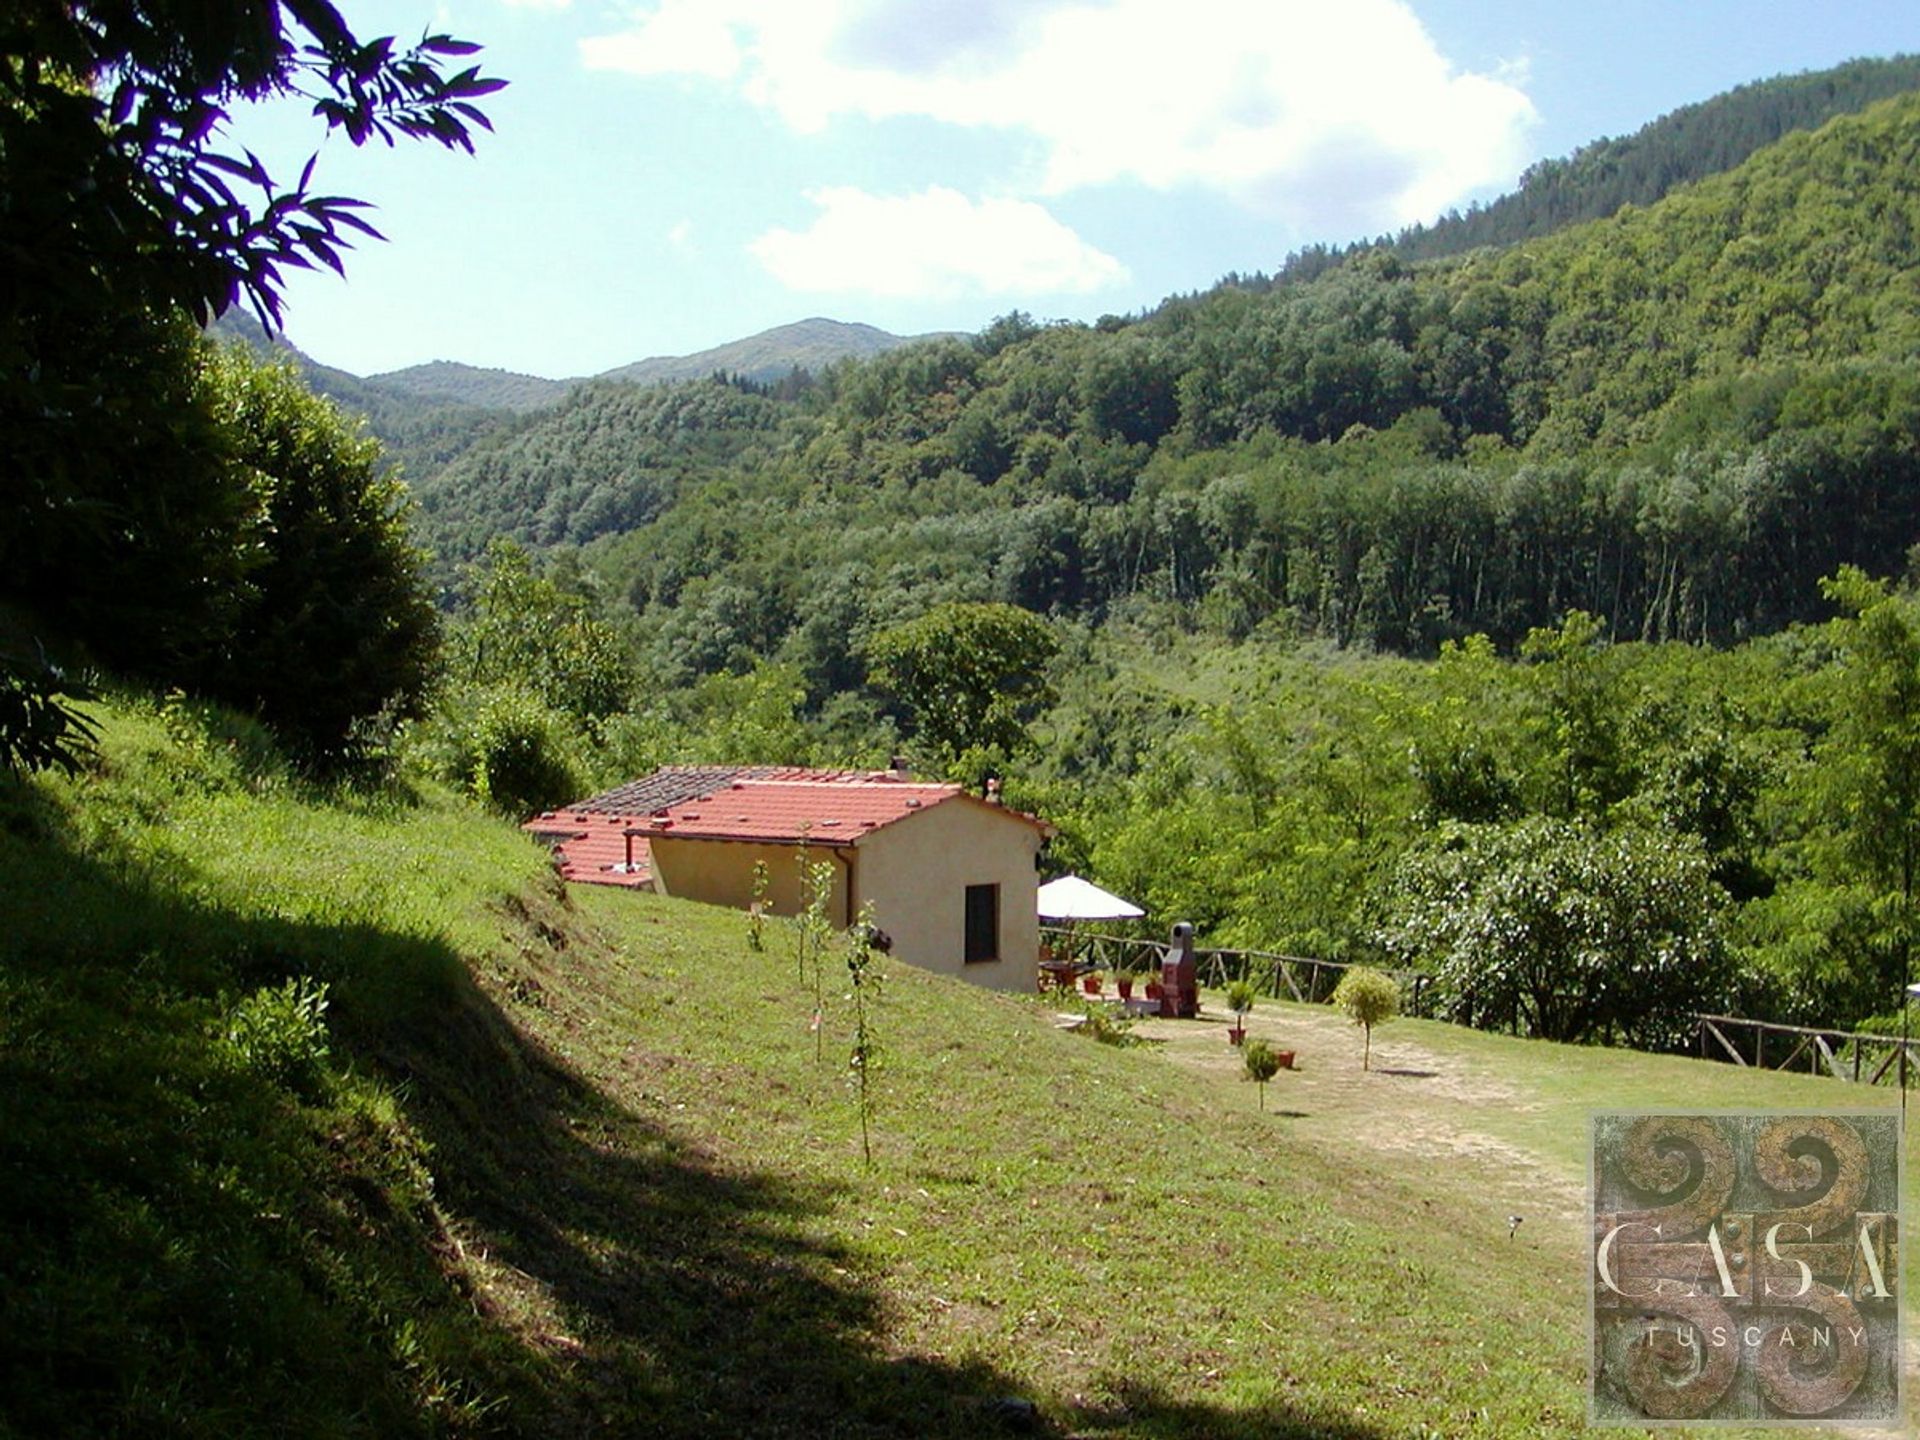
1091,982
1240,995
1123,979
1153,984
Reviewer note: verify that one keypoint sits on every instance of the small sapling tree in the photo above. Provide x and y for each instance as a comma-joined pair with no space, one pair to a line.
1262,1063
757,908
1368,998
863,975
812,930
1240,997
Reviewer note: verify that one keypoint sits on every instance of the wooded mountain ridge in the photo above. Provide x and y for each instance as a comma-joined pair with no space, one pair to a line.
765,358
426,414
1679,418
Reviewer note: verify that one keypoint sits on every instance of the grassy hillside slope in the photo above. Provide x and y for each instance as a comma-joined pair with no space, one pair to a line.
564,1163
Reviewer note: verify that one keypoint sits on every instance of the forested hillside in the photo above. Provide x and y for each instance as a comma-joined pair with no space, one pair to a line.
769,357
613,458
449,382
1680,418
419,432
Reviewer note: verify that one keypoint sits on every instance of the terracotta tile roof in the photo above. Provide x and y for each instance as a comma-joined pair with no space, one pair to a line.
821,812
593,848
672,784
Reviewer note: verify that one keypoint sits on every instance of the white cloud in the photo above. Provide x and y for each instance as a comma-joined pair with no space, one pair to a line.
937,242
676,39
1287,104
680,236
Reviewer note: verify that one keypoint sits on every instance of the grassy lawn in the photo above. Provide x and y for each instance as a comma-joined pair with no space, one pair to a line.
1451,1081
578,1162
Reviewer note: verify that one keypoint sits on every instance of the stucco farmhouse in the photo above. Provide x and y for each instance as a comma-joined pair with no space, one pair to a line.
951,875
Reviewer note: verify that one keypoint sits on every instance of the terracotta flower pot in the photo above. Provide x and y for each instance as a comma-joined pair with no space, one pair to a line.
1153,989
1285,1057
1126,989
1236,1035
1092,984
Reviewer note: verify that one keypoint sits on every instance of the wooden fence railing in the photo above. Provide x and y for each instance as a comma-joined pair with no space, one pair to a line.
1851,1055
1844,1054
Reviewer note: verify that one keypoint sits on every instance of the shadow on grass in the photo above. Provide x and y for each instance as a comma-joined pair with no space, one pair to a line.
702,1304
191,1248
1148,1412
1406,1074
635,1284
672,1293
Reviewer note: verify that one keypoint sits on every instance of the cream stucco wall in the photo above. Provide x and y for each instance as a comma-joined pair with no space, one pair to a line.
720,872
915,872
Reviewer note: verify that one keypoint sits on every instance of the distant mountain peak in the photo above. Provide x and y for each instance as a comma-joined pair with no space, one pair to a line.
810,344
451,380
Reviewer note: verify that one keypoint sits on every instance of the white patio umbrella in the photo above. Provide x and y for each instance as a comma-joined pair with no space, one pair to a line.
1071,898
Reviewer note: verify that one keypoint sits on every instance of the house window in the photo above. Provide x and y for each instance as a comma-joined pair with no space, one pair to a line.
983,923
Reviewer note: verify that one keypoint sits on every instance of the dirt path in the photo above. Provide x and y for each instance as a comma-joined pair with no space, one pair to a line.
1435,1105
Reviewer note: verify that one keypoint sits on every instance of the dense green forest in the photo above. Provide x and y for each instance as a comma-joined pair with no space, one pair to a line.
1680,418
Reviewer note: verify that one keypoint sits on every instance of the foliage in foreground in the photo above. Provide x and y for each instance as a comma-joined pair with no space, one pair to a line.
41,726
189,519
222,1220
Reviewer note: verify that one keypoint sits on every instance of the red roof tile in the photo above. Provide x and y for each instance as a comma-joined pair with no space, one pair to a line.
593,849
821,812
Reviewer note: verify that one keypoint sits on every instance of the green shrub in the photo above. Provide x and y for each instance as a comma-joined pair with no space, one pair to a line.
334,625
1108,1027
280,1033
220,748
505,746
1563,930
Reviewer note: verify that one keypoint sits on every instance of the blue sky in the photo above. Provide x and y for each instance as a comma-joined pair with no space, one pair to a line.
669,175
